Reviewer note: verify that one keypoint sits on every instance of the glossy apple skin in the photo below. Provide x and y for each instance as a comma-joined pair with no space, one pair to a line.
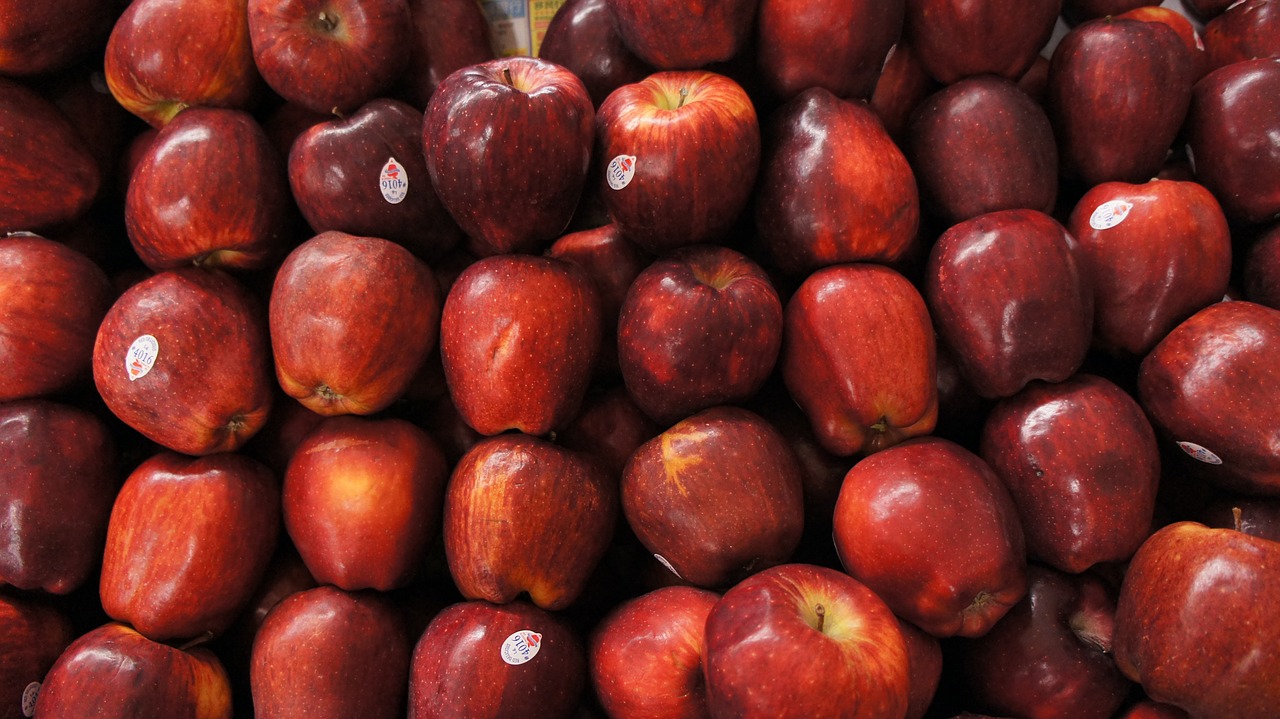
955,39
696,157
1049,657
839,45
362,500
924,662
1188,627
767,653
59,483
583,37
610,428
717,496
42,39
332,653
1262,270
1081,462
519,336
188,542
645,656
699,327
673,35
210,191
48,176
210,388
903,84
458,671
980,145
524,515
1187,32
1233,139
1009,294
115,671
833,187
1168,257
52,299
32,636
1251,29
165,55
1118,92
300,45
841,329
1211,381
448,35
508,147
336,169
352,321
957,582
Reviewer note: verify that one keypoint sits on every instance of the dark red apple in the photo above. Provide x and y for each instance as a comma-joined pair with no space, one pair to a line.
52,299
1188,625
518,338
508,147
166,55
678,154
115,671
924,664
1262,270
800,641
1249,30
362,501
675,35
210,191
981,145
331,653
858,356
1200,61
583,37
930,528
1155,253
955,39
448,35
330,55
839,45
833,187
1211,386
1148,709
524,515
903,84
32,636
610,428
1009,294
352,321
183,357
45,38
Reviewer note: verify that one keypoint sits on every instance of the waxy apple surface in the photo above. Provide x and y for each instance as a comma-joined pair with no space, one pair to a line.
676,35
448,35
583,37
33,635
45,38
1251,29
839,45
955,39
1262,270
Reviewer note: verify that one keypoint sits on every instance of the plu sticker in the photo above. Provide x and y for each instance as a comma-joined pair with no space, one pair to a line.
1199,453
521,647
29,697
141,357
393,182
1110,214
620,171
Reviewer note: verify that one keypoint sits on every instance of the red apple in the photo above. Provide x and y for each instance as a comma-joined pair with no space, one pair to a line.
833,187
183,358
838,45
52,299
448,35
674,35
699,327
929,527
524,515
583,37
610,428
903,84
1155,253
327,652
115,671
477,660
858,356
352,321
508,146
1246,30
42,39
188,542
1009,294
362,501
518,338
645,656
1196,50
166,55
1081,462
32,636
955,39
1262,270
1188,625
330,55
678,154
924,665
1148,709
799,640
1211,386
211,191
716,497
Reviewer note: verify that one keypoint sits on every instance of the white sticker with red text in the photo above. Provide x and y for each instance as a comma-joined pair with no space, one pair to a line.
1110,214
521,647
393,182
620,171
141,357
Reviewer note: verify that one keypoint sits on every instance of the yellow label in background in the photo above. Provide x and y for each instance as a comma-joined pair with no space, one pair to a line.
516,27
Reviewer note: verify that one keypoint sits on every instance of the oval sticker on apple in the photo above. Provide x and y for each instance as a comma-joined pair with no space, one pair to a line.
141,357
521,647
29,697
1197,452
1109,214
620,171
393,182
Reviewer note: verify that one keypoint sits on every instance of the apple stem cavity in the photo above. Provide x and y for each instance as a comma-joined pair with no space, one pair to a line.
326,22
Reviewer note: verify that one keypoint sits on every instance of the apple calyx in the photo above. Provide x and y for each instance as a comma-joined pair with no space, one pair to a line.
325,22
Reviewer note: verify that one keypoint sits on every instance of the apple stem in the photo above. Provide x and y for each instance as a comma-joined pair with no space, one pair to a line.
196,642
1237,516
506,77
684,93
821,611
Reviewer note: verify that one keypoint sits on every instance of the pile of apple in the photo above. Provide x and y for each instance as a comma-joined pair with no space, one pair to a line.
738,358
